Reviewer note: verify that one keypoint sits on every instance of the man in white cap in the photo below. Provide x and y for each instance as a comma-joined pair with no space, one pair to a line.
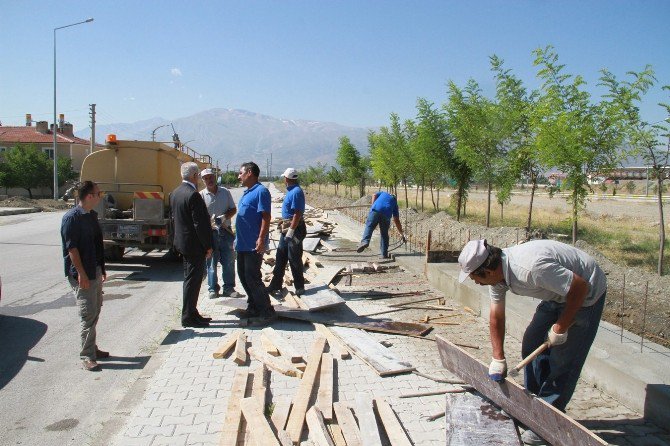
572,289
221,208
293,232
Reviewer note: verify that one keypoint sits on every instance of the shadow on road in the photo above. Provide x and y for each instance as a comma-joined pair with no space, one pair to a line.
124,362
17,335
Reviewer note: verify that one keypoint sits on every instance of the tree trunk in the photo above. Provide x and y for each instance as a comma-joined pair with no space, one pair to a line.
432,195
502,206
438,198
30,193
661,234
488,204
361,187
406,196
532,197
574,223
423,190
416,197
459,199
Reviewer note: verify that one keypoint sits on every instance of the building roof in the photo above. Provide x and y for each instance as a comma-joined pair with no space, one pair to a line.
25,134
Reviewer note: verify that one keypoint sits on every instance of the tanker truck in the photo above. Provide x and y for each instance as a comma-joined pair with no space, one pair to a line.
137,178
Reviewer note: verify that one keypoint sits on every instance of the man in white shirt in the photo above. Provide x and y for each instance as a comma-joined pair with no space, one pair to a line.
221,208
572,288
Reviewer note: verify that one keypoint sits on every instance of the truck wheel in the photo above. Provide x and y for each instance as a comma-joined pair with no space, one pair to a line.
114,253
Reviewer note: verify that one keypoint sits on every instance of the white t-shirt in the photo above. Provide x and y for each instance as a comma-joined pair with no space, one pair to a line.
543,269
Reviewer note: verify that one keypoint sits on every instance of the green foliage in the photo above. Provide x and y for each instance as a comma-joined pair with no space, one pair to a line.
630,187
230,179
65,171
352,166
28,168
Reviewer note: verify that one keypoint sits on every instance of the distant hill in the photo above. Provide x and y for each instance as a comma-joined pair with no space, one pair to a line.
235,136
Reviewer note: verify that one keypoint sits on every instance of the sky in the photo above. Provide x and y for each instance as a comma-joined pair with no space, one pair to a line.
349,62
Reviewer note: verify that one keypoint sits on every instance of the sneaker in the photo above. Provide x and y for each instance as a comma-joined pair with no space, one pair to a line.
100,354
299,291
213,295
262,320
275,292
232,293
362,246
90,365
531,438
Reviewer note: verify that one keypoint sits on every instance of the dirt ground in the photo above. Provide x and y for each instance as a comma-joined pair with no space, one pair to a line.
637,299
44,204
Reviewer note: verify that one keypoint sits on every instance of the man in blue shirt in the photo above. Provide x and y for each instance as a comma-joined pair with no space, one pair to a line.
251,242
293,232
384,206
84,261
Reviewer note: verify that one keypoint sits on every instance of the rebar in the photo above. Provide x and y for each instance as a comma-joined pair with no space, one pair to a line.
644,314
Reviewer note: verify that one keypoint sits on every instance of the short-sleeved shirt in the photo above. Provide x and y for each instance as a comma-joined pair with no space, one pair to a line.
386,204
253,203
544,269
81,230
219,203
294,200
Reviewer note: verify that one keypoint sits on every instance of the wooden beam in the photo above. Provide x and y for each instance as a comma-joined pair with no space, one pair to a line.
318,432
261,434
337,348
394,430
269,346
380,358
261,383
285,349
280,413
241,349
367,420
347,422
233,420
544,419
434,392
296,419
471,419
226,345
336,433
324,399
275,363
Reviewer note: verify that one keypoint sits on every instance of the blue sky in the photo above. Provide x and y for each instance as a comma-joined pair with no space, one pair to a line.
350,62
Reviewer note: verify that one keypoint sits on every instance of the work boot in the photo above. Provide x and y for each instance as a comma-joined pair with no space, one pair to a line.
531,438
90,365
213,295
299,291
362,246
232,293
100,354
263,320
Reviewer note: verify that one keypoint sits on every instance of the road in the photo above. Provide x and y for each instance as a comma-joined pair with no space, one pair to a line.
45,395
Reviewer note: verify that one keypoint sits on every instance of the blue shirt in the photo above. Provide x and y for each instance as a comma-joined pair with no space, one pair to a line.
253,203
386,204
293,201
80,229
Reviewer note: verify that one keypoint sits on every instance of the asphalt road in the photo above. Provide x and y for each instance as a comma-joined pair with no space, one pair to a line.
45,395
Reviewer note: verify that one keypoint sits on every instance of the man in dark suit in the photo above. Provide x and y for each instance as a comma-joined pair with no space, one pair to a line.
193,239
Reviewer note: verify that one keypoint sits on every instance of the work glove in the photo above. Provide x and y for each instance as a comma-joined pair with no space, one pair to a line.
290,235
556,338
498,369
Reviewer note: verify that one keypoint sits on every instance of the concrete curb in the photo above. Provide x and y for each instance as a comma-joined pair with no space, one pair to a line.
17,211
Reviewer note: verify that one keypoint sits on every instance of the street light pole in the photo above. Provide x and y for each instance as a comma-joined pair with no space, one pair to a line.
153,132
55,129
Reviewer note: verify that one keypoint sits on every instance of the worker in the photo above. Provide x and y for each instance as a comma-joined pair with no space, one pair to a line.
251,242
384,206
293,232
84,259
571,287
221,208
193,239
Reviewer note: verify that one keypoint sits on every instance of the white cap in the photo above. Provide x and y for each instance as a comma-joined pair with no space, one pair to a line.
473,255
290,173
207,171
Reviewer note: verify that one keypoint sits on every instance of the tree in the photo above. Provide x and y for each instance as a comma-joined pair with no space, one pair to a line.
573,135
65,171
351,164
28,167
335,177
649,141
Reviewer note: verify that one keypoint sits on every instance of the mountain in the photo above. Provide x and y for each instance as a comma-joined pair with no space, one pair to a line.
232,137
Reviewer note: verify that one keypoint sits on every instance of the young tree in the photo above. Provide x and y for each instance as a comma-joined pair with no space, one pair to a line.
573,135
350,162
649,141
65,171
29,167
335,177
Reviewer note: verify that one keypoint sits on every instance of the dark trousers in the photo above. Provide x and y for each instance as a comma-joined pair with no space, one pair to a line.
290,251
553,375
249,272
194,270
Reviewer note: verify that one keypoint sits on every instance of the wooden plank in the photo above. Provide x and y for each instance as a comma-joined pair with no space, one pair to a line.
261,434
336,434
434,392
261,383
336,346
324,399
241,349
284,438
268,345
367,420
372,352
394,430
233,420
296,419
275,363
326,274
280,413
310,244
318,296
318,432
473,420
226,345
544,419
347,422
285,349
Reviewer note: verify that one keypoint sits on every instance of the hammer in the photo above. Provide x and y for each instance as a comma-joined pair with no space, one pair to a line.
528,359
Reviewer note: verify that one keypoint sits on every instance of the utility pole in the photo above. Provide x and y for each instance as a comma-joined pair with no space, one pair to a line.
267,168
92,115
270,163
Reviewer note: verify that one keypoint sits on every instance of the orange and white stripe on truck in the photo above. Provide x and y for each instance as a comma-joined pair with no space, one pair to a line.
154,195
